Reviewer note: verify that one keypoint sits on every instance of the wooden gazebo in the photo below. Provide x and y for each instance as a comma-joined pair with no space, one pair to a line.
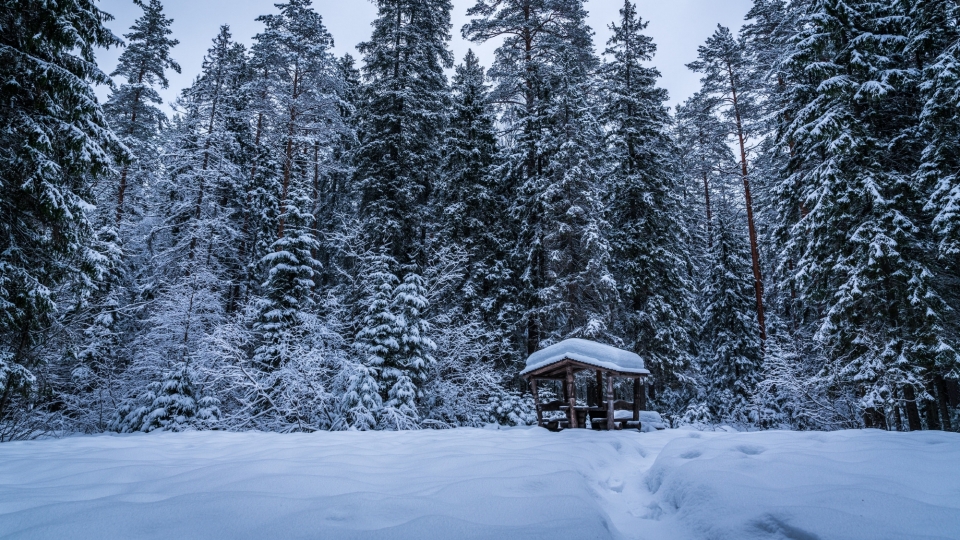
562,362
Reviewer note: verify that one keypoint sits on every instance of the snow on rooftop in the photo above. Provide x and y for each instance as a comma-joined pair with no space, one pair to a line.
587,352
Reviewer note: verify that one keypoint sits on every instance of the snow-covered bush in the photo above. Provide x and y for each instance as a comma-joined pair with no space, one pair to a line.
169,405
697,415
510,408
798,391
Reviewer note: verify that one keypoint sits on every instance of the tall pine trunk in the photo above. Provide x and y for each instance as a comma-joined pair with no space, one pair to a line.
748,198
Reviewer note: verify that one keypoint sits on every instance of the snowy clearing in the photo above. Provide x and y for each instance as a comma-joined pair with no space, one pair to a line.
472,483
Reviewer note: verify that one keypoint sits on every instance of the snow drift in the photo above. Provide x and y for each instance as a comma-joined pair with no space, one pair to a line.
467,483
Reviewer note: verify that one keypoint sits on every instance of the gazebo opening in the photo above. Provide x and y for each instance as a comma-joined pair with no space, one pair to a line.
563,361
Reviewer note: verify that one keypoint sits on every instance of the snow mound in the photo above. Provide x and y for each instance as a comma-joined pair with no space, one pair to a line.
868,485
588,352
523,483
649,420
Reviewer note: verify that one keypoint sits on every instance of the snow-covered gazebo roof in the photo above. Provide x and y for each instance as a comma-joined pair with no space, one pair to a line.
586,352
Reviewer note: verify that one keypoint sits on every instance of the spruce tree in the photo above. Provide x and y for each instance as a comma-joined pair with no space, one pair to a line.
862,255
405,379
649,237
361,404
56,145
377,340
731,359
402,118
172,404
934,43
554,167
468,195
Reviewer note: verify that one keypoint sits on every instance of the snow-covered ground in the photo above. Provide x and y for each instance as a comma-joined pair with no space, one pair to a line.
470,483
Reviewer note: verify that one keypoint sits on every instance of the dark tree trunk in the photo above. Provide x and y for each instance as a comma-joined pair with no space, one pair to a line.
874,419
953,392
913,413
748,199
121,193
637,397
930,409
897,415
942,401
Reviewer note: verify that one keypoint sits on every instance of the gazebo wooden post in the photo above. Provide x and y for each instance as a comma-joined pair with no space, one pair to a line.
536,401
611,421
600,388
636,399
643,394
572,397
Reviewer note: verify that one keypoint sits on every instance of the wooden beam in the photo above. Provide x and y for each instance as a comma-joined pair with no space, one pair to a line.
558,371
572,397
536,401
611,413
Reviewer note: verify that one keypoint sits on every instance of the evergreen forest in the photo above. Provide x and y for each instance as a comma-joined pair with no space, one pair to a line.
318,242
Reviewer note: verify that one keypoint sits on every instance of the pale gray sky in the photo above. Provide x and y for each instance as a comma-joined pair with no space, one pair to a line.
677,26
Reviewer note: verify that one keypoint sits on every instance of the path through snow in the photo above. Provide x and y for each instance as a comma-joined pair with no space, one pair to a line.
469,483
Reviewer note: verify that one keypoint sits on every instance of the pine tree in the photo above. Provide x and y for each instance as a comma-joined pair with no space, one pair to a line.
298,116
334,193
198,200
204,148
132,107
705,158
110,323
726,76
766,40
193,201
402,117
56,144
295,97
649,236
